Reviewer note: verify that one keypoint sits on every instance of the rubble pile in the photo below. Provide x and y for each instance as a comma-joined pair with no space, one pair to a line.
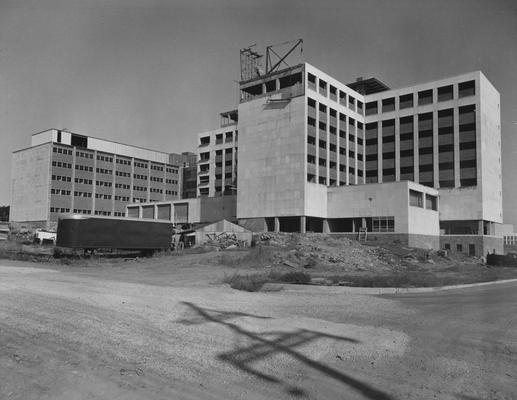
310,251
224,240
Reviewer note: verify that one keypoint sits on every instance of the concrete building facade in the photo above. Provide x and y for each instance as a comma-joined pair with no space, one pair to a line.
217,158
305,138
65,172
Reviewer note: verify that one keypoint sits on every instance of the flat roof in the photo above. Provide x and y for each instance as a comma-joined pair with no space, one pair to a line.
368,86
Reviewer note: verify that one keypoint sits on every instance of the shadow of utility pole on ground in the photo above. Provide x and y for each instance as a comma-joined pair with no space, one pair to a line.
269,343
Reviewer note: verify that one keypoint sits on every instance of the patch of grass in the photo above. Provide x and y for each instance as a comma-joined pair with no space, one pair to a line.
254,282
248,283
295,277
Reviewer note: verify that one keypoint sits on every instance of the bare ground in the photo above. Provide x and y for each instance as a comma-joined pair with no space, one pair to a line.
165,328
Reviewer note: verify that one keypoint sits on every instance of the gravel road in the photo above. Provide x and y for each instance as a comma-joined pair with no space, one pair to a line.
161,331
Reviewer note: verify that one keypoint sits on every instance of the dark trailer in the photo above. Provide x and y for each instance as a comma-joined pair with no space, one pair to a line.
91,232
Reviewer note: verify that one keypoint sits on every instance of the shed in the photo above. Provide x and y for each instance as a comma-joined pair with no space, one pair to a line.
222,230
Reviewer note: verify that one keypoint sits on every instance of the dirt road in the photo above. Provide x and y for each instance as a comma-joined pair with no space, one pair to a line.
162,331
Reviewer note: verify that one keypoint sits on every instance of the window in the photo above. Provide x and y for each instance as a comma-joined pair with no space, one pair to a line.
371,108
204,156
459,247
447,246
416,198
311,102
445,93
311,140
431,202
466,89
388,104
425,97
311,81
323,87
406,101
383,224
311,159
204,141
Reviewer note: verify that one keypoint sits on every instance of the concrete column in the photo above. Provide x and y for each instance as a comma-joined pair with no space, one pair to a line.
436,161
326,228
397,149
277,224
303,223
363,222
416,168
456,133
379,149
480,227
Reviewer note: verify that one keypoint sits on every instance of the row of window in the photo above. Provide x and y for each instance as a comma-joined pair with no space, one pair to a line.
154,190
83,181
59,210
83,154
122,173
322,180
330,91
220,138
139,176
104,158
103,196
104,171
416,199
83,168
60,150
383,224
103,183
122,186
61,178
61,192
122,198
424,97
82,194
171,192
156,179
140,188
140,164
81,211
61,164
103,213
171,181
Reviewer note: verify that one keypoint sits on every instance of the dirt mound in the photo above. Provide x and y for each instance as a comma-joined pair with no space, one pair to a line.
317,250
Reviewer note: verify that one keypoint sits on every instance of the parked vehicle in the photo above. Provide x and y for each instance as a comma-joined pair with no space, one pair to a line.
86,232
44,236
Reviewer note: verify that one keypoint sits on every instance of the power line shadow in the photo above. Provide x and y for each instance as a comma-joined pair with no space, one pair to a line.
266,344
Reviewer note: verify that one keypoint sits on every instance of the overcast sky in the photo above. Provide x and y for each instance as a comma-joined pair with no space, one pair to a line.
154,73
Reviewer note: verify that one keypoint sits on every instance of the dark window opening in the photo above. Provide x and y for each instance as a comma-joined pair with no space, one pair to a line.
445,93
425,97
467,89
406,101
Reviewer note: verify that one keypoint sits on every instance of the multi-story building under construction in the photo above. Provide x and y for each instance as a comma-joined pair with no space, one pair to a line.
420,163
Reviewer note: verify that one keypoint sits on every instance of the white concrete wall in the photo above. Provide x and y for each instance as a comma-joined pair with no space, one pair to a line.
371,200
387,199
30,184
316,198
271,168
490,151
461,203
